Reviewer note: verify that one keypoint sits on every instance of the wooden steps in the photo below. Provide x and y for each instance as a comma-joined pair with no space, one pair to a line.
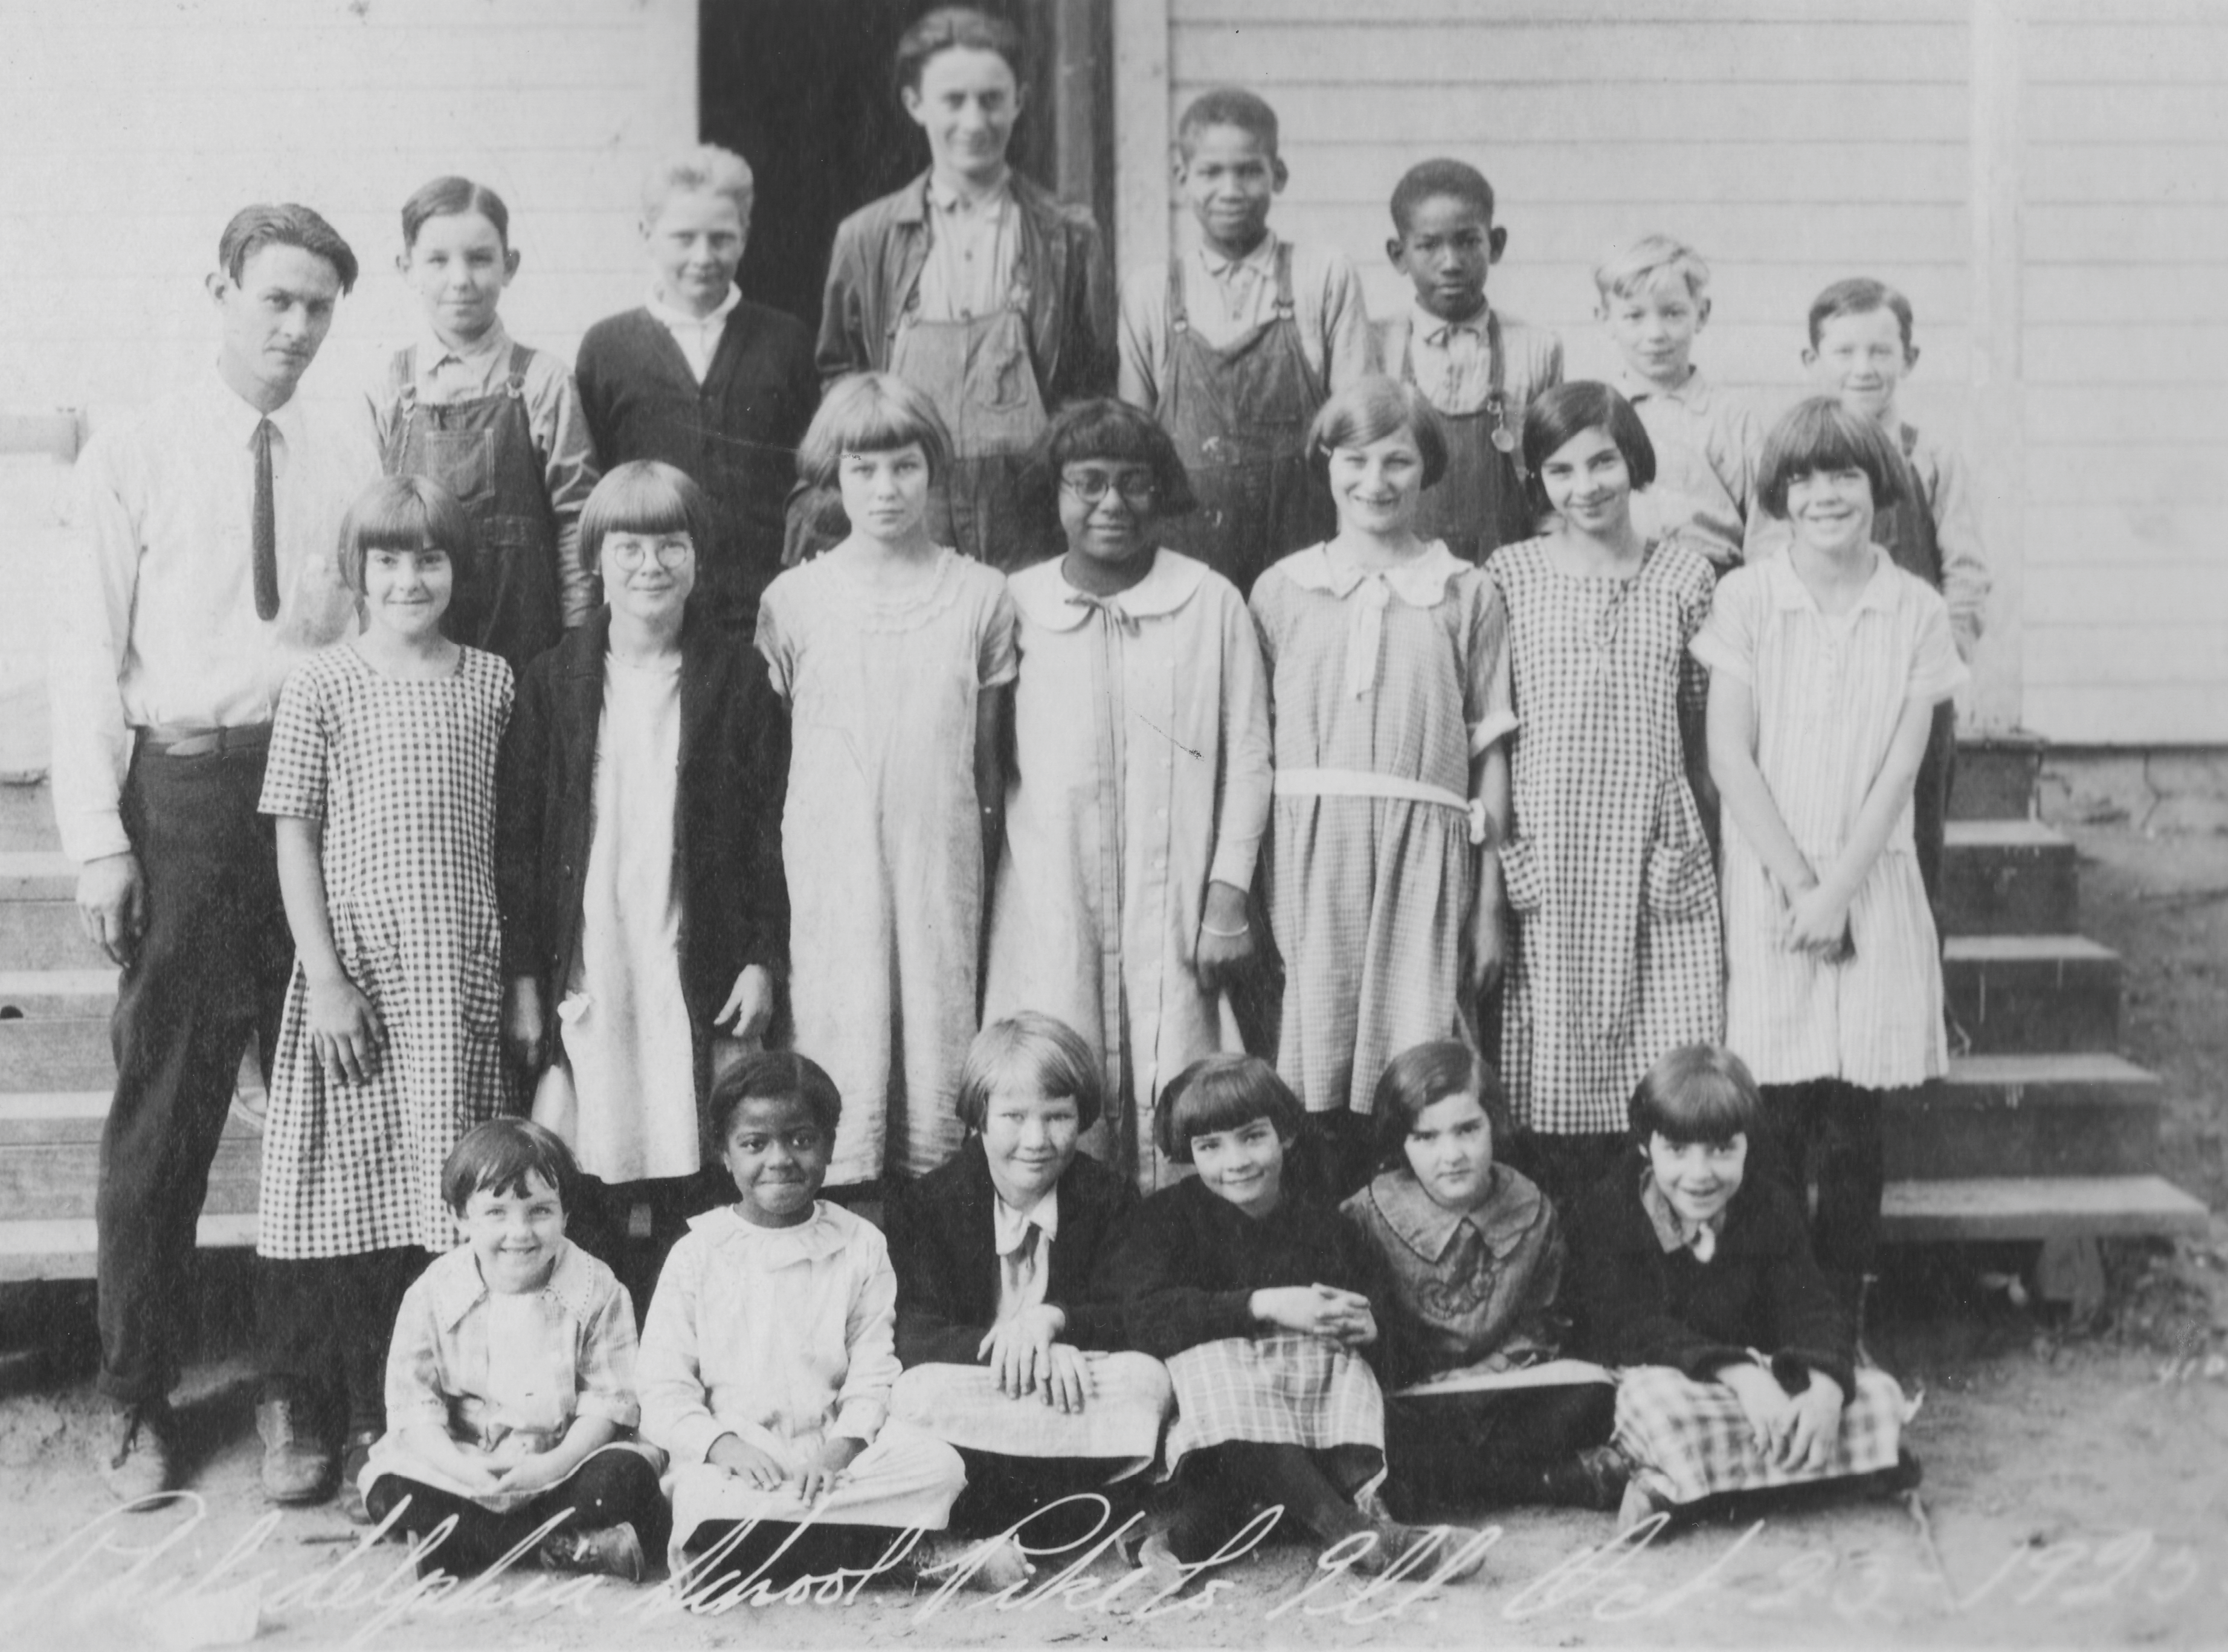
2038,1208
2041,1130
50,1169
2043,994
2009,877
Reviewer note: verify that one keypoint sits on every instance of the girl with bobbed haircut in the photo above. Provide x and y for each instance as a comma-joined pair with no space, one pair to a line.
1614,951
1136,944
872,412
1104,428
407,512
770,1075
644,497
1821,434
1012,1345
1559,414
1224,1092
1697,1092
1472,1257
1696,1281
1369,410
1262,1302
1420,1077
1032,1051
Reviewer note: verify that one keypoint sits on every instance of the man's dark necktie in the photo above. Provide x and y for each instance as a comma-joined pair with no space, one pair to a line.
265,528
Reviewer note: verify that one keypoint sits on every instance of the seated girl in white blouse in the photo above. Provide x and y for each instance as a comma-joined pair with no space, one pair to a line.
769,1355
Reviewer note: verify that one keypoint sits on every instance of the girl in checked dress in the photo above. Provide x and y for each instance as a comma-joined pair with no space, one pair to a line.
381,778
1613,904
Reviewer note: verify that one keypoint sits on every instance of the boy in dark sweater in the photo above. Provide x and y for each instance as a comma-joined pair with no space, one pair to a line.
719,387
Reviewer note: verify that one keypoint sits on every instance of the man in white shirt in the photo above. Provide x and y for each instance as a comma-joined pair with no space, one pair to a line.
208,527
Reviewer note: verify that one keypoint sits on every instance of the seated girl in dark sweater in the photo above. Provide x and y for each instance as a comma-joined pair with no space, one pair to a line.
1739,1362
1009,1349
1259,1299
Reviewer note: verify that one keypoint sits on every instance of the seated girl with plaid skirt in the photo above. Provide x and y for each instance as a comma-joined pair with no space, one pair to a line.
1473,1259
1737,1362
1258,1297
1012,1355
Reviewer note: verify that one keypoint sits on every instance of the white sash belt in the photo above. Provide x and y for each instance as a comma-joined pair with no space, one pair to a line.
1361,783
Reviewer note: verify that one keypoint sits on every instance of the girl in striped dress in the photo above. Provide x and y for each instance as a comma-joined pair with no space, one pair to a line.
1825,666
1389,700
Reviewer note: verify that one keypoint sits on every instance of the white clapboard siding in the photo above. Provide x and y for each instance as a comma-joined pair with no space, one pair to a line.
133,128
2124,350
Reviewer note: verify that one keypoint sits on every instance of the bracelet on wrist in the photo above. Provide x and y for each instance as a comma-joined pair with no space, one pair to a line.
1206,928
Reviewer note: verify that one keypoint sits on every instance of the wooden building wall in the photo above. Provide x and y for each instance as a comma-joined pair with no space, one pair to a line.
133,128
2043,177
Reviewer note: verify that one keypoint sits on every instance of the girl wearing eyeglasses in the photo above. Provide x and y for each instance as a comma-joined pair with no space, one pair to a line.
639,867
1138,784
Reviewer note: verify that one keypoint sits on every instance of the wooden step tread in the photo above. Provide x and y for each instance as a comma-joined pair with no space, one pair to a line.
50,994
2004,835
48,1115
37,874
2032,1207
66,1247
2083,1067
2026,948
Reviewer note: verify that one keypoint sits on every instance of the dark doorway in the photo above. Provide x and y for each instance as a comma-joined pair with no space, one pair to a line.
802,90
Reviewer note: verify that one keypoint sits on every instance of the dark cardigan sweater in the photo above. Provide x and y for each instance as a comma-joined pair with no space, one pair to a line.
1186,1263
736,433
734,774
943,1239
1636,1304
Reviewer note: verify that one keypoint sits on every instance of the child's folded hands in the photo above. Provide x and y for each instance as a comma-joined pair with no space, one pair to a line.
1770,1410
1317,1310
536,1473
1814,1424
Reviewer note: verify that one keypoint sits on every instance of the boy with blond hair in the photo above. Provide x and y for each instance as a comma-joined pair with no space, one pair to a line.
1654,300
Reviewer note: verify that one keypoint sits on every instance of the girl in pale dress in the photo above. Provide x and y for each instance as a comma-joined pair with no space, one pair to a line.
1140,781
1826,665
639,866
1613,901
770,1351
381,779
894,654
1389,688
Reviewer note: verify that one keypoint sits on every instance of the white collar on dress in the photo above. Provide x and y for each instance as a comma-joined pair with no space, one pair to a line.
1043,592
1787,590
454,1279
827,1234
1420,584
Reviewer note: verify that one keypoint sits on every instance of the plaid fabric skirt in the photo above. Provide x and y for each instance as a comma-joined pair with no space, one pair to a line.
1280,1390
1688,1440
1120,1422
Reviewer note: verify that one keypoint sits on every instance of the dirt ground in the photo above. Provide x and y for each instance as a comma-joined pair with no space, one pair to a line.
2076,1486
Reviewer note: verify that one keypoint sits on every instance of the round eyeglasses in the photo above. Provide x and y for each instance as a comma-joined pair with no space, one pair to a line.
1137,491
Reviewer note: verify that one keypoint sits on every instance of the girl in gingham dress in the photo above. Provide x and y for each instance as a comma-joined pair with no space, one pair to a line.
1737,1368
381,779
1389,699
1613,902
1825,666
